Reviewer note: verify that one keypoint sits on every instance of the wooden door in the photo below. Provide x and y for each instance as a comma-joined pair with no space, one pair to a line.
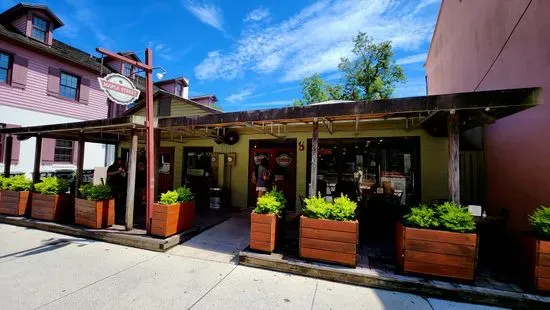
165,169
282,165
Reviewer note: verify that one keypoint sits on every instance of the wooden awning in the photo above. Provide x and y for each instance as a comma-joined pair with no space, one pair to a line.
476,108
107,131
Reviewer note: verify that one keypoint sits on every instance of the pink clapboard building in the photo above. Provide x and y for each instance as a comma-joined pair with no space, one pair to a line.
501,44
45,81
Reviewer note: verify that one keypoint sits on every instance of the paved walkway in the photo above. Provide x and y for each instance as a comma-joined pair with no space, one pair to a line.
51,271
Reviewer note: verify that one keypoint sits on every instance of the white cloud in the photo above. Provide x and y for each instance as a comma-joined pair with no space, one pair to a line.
280,90
244,94
314,39
206,13
424,3
257,15
412,59
164,51
239,96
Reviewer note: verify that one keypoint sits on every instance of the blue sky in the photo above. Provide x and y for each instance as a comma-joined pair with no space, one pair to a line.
251,54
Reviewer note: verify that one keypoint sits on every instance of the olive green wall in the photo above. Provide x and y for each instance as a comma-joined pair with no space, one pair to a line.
433,158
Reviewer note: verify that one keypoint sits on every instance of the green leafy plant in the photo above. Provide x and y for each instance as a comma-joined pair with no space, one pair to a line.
316,207
278,195
268,204
184,194
4,183
19,183
169,198
96,192
455,218
447,216
343,209
540,221
422,217
52,186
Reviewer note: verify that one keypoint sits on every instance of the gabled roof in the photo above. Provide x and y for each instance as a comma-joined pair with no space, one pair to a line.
160,93
203,97
59,50
21,8
179,79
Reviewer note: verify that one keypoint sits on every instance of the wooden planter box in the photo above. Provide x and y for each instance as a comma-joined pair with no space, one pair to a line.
15,203
57,208
436,252
537,253
94,213
329,241
172,219
263,232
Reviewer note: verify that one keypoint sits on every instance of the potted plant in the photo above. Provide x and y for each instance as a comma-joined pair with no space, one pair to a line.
50,200
97,209
15,198
438,241
264,221
174,213
537,250
329,231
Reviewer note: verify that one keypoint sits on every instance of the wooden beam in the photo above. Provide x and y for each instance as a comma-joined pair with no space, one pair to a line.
328,125
37,160
8,145
422,121
79,164
124,59
454,157
314,157
514,98
131,187
263,130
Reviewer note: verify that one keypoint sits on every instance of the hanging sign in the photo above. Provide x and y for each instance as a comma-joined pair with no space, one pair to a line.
119,88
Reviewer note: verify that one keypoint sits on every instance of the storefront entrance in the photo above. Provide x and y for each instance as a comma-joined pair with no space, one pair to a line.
166,169
281,156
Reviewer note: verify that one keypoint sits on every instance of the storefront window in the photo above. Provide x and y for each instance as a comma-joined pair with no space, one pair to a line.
360,167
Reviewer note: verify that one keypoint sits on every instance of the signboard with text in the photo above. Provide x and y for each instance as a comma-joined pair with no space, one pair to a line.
119,88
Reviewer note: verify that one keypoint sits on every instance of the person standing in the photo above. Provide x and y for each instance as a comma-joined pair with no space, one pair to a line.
116,179
262,183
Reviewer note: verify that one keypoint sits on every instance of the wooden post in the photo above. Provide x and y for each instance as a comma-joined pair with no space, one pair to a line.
157,154
7,156
79,165
131,189
37,158
454,157
314,157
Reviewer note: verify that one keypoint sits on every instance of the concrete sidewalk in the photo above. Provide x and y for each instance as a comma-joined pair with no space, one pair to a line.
46,270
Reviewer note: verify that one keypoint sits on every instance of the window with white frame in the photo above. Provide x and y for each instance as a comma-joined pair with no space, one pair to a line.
39,28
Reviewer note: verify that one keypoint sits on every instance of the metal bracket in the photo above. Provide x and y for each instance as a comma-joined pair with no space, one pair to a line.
328,125
263,130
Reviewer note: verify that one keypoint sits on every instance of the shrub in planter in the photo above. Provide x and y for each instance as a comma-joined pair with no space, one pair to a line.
264,221
174,213
439,241
50,200
537,250
97,209
329,231
15,198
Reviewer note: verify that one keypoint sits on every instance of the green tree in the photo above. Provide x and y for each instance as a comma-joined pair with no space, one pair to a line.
314,89
373,73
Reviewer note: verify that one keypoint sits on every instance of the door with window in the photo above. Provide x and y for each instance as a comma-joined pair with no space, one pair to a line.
282,168
165,169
